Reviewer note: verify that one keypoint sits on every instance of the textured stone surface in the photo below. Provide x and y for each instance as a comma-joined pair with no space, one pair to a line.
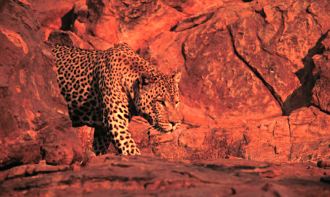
321,90
113,175
255,81
32,108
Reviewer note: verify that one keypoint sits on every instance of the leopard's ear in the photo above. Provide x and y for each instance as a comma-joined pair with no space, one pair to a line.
177,76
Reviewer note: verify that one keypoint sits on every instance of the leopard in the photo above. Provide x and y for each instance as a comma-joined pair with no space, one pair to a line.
106,88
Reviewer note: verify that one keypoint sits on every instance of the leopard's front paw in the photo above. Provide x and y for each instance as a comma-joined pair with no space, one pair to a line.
131,151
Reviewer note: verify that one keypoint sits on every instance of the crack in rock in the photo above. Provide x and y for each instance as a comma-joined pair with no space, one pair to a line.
309,11
270,88
190,175
319,108
290,134
192,22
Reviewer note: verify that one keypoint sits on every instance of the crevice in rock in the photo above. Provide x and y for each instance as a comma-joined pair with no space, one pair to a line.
178,8
319,108
68,20
223,168
192,22
255,72
267,47
190,175
183,53
290,135
302,96
30,186
280,30
277,36
177,5
18,2
261,13
184,56
10,164
34,171
308,11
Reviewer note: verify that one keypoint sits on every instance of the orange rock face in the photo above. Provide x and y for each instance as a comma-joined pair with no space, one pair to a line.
255,83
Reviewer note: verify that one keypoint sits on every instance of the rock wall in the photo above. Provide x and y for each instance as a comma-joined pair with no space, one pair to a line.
255,79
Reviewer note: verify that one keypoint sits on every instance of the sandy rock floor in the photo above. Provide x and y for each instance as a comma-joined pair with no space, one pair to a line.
110,175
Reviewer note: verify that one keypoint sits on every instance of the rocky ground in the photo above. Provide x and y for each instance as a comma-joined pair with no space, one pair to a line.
255,86
146,176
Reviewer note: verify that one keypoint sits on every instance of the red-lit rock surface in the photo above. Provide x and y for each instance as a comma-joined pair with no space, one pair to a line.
145,176
255,84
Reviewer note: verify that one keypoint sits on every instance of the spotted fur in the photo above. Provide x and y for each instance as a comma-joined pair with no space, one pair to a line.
106,88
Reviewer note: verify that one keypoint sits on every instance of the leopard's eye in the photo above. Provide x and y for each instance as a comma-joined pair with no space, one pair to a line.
162,102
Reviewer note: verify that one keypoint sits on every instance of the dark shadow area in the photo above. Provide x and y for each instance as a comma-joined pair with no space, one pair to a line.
10,164
101,141
68,20
2,4
302,96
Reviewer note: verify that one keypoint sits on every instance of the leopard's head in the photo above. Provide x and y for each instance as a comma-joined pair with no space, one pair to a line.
157,100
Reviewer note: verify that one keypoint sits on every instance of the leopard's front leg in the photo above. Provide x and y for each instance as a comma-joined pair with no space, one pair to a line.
115,119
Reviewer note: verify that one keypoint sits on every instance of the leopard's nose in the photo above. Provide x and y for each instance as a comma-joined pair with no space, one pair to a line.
173,124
